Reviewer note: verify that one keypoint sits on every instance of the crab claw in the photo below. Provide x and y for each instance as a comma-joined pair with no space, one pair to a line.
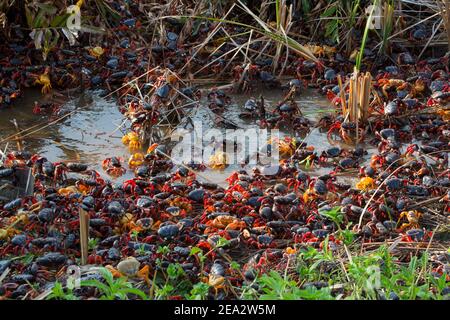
411,148
144,274
152,148
115,273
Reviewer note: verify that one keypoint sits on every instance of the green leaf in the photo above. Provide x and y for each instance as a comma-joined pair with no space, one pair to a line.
96,284
47,8
365,36
134,291
222,242
306,7
195,250
29,17
234,265
330,11
59,21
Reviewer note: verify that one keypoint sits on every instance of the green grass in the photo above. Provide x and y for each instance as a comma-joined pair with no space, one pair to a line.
365,37
369,276
372,275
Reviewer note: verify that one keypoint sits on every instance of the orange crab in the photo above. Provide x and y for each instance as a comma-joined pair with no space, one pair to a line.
133,142
321,51
128,223
113,166
217,282
286,146
413,217
44,80
309,195
418,88
366,184
68,190
96,52
136,160
225,222
219,160
387,84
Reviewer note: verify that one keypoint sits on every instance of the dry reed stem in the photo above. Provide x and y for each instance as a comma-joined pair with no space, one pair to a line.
84,235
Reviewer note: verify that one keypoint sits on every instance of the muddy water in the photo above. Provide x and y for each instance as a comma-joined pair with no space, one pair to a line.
90,134
86,136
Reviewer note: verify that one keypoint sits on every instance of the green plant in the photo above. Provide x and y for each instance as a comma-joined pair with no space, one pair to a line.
111,288
163,292
42,18
163,250
365,36
346,235
92,243
334,215
340,17
388,24
59,293
199,291
277,287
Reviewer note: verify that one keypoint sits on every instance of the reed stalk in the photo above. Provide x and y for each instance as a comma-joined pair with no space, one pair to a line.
84,235
356,109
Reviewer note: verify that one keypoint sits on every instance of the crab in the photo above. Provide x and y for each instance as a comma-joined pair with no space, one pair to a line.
217,282
132,141
9,231
44,80
226,222
219,160
387,84
128,223
412,217
366,184
129,268
345,130
418,88
96,52
286,146
321,51
113,166
136,159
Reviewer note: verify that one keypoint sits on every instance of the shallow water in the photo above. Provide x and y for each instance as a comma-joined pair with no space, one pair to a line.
90,134
86,136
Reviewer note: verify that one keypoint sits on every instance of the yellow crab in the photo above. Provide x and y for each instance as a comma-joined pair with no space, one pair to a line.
412,217
96,52
309,195
219,160
290,250
136,160
7,233
365,184
10,231
445,114
68,190
128,223
387,84
44,80
132,140
217,282
321,51
286,146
